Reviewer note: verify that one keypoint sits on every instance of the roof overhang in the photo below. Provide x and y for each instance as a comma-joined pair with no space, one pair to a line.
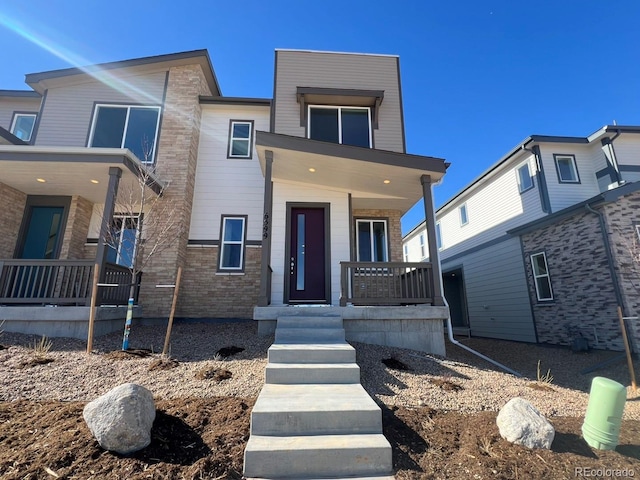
362,172
43,80
68,171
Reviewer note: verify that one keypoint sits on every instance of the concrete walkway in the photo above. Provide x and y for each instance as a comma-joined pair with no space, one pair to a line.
312,418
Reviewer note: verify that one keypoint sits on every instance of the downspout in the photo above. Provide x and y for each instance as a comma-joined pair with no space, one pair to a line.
607,249
450,326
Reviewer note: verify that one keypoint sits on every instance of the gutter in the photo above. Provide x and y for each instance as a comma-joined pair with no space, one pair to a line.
607,248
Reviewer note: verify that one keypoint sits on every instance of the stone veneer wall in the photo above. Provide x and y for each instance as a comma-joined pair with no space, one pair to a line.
176,163
622,217
584,297
394,230
13,202
205,293
77,228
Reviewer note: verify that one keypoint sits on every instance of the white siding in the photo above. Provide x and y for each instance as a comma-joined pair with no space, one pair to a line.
627,149
496,291
413,242
67,111
588,159
335,70
9,105
339,225
229,186
492,209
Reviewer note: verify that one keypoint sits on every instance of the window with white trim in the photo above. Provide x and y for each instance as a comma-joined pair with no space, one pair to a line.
371,240
240,139
123,240
438,236
406,253
22,125
525,182
464,216
232,241
566,168
541,277
344,125
422,249
126,126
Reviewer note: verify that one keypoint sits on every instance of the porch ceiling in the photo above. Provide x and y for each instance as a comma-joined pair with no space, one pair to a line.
359,171
68,170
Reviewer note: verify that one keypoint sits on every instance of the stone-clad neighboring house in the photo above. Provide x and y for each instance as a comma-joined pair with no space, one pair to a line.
542,246
283,202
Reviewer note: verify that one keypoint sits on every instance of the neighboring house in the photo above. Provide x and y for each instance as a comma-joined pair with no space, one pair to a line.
539,247
283,202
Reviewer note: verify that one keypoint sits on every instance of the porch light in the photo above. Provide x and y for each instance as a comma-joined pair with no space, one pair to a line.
312,169
41,180
386,182
94,181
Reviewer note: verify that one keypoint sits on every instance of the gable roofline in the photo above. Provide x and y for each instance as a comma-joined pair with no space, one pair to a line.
601,199
206,99
172,59
20,93
301,50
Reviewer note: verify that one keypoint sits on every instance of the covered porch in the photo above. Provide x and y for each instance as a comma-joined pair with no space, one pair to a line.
349,262
60,205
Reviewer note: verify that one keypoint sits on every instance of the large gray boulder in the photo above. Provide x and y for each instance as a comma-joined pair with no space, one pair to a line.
122,418
520,422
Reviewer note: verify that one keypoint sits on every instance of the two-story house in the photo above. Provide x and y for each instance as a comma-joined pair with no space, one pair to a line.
281,203
541,246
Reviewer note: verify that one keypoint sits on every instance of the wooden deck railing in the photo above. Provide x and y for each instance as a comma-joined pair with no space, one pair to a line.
385,283
60,282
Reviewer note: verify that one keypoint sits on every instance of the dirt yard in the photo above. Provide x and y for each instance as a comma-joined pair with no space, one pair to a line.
199,434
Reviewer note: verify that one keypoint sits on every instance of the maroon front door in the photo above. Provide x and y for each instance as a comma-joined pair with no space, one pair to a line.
307,255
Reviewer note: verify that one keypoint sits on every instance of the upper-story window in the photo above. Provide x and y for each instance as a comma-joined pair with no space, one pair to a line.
525,182
566,168
125,126
422,249
22,125
406,253
240,139
464,215
372,240
345,125
438,236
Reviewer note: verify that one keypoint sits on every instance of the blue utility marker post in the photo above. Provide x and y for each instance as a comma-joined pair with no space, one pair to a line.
127,325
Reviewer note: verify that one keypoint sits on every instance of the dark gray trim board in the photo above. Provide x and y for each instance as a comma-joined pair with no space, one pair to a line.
36,127
19,93
477,248
526,281
272,113
259,102
608,170
629,168
11,138
182,58
287,142
557,139
216,243
600,199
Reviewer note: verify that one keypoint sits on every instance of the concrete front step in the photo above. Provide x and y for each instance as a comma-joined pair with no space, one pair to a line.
317,456
305,373
315,410
308,335
312,353
310,322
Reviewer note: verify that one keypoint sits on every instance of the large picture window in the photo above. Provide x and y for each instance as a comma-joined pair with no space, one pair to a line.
22,125
122,126
372,240
541,277
240,135
345,125
232,239
123,240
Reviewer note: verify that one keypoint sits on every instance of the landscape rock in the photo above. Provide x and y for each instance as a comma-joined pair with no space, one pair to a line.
122,418
521,423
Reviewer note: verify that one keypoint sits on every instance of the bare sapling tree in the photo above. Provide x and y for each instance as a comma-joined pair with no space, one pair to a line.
145,223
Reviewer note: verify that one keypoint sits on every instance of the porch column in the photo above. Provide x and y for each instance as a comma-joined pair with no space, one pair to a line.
264,298
107,218
430,218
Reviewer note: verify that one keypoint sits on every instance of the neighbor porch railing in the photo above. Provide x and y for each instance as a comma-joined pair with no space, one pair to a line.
385,283
60,282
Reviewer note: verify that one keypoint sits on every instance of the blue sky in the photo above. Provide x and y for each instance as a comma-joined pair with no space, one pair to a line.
477,76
